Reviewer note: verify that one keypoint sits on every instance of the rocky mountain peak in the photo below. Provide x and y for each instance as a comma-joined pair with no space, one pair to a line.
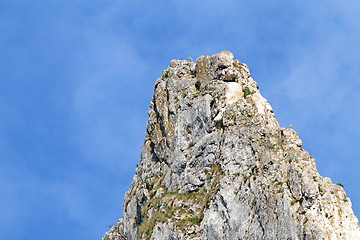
215,164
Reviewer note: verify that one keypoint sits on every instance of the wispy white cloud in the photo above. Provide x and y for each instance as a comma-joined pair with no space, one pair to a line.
318,78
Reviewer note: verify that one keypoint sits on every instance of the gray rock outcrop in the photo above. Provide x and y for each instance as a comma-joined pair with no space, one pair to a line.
215,164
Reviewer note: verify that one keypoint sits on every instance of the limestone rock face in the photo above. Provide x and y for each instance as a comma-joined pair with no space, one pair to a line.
215,164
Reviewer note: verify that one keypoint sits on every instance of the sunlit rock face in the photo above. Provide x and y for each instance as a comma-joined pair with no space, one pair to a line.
215,164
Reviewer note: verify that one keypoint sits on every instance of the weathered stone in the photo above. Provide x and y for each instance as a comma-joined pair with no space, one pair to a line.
215,164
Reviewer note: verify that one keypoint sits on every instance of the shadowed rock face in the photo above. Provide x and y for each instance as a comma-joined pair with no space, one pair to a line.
215,164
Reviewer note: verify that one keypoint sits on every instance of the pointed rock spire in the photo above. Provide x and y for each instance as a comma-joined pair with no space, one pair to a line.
215,164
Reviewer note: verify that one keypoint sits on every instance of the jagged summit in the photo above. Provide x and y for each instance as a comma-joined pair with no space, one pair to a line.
215,164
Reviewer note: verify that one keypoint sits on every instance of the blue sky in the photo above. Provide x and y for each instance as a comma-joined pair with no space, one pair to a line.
77,76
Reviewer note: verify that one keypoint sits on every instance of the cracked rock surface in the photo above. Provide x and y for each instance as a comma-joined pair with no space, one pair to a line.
215,164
